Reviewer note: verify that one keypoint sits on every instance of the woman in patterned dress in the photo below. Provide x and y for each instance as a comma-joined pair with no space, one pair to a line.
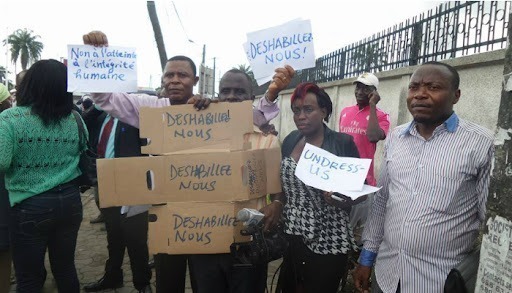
317,226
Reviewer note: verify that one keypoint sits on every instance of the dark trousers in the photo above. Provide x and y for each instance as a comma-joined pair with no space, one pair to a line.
50,221
217,273
171,272
312,272
131,234
4,215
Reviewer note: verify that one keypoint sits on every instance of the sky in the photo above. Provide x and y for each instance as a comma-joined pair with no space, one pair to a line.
187,25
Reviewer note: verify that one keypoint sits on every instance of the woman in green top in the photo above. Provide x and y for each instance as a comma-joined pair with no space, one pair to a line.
40,153
5,253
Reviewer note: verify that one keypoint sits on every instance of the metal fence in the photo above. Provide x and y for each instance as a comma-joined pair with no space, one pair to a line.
452,29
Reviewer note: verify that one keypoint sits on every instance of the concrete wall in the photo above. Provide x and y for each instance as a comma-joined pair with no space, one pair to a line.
481,78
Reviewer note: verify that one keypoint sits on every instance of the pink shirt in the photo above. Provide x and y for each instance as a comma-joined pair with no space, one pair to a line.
125,107
354,121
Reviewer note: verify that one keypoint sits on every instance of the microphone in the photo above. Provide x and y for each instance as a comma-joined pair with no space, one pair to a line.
250,217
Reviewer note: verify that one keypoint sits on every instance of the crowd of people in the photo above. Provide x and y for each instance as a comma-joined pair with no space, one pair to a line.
423,222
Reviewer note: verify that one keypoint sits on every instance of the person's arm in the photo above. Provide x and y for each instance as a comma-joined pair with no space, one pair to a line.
482,183
125,107
6,145
273,210
267,108
264,112
373,231
374,132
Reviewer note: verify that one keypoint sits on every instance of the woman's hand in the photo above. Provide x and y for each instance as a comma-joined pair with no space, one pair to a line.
272,214
345,202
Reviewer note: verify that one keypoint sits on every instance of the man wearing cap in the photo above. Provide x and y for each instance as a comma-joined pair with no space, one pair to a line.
367,124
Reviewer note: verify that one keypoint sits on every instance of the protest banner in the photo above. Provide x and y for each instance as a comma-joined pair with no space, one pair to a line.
197,227
182,128
218,176
320,169
101,69
290,43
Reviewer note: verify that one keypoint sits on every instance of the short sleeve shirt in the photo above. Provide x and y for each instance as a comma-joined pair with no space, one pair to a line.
354,121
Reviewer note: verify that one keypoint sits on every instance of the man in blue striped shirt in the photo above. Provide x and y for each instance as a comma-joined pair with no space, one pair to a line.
435,178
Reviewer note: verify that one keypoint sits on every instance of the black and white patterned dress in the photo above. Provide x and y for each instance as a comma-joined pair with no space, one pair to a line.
324,228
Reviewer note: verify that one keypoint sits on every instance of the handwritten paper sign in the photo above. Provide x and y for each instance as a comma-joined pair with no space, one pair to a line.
290,43
183,128
101,69
494,274
320,169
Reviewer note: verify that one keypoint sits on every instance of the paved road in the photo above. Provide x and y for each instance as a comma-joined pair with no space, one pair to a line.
91,254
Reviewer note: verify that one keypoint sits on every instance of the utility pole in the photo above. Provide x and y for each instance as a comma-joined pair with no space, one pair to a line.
496,249
158,33
203,71
213,91
6,58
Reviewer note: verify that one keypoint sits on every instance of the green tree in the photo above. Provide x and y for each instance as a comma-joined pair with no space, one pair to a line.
247,69
24,46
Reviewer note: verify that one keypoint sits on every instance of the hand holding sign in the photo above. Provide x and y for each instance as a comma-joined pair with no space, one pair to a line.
95,67
280,81
101,69
95,38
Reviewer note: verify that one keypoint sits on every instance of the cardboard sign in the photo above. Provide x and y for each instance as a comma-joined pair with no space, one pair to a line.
101,69
321,169
182,128
197,227
224,176
290,43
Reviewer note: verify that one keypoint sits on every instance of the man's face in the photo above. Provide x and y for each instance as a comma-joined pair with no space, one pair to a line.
362,93
178,81
234,87
431,95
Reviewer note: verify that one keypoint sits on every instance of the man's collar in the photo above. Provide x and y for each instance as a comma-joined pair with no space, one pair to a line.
451,124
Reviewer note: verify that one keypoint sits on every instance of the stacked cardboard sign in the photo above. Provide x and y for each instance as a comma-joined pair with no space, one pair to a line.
203,174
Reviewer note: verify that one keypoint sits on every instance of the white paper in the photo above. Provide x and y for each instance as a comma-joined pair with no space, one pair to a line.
494,274
101,69
290,43
321,169
367,189
263,80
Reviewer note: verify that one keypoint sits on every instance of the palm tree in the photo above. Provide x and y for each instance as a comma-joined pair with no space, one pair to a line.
24,45
247,69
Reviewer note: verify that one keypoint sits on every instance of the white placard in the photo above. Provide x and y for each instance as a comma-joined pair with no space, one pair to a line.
290,43
321,169
101,69
494,273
